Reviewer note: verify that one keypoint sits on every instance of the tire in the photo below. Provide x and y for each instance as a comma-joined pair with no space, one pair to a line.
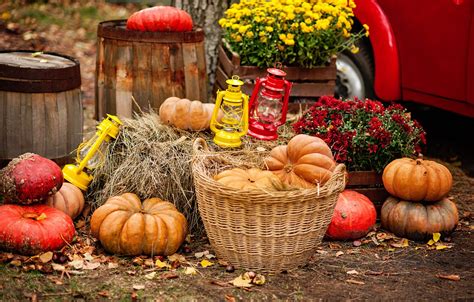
355,74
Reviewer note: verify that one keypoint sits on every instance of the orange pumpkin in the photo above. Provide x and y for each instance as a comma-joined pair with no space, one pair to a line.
68,199
126,226
250,179
304,162
417,179
185,114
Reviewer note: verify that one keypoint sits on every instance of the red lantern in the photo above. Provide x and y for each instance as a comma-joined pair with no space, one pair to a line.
268,104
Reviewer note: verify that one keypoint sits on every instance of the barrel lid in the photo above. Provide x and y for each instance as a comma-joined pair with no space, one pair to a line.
30,71
117,30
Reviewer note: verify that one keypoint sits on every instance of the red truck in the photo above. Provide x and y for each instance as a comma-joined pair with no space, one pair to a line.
420,51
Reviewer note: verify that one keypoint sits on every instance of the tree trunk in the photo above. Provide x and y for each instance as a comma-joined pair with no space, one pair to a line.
206,14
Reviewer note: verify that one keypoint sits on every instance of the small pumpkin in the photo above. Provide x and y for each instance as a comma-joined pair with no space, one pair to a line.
68,199
418,221
30,178
185,114
249,179
160,18
417,179
34,229
353,217
304,162
126,226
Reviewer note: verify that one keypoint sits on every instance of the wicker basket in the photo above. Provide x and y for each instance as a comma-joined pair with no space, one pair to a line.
257,230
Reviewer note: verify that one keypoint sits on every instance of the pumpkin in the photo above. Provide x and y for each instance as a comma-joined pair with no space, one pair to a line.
417,179
160,18
418,221
30,178
126,226
305,161
68,199
353,217
185,114
34,229
250,179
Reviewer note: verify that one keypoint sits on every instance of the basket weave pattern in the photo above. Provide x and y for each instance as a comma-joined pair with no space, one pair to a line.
258,230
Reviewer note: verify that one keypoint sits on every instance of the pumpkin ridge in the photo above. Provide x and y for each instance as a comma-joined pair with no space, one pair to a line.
163,228
115,228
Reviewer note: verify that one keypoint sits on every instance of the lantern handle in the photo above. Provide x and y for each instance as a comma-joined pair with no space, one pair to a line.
278,65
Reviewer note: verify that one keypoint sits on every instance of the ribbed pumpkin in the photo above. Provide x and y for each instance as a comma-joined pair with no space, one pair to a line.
185,114
68,199
249,179
126,226
417,180
418,221
304,162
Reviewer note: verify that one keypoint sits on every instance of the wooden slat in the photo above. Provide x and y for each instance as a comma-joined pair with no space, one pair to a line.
124,79
161,73
191,76
224,61
99,80
39,123
142,74
177,70
3,126
25,121
364,178
109,79
202,72
52,126
221,77
76,112
62,125
13,113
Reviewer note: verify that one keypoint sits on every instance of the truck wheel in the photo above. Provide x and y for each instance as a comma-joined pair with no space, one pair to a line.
355,74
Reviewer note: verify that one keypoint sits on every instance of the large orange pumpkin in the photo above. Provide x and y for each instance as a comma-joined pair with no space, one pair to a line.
304,162
68,199
126,226
185,114
418,221
250,179
417,179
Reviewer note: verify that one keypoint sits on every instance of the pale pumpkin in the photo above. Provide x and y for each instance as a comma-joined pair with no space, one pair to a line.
417,179
249,179
305,162
185,114
69,199
418,221
126,226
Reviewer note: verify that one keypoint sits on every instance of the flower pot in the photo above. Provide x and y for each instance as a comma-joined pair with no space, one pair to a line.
370,184
307,82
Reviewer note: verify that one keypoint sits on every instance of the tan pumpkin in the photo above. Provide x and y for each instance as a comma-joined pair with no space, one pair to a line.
185,114
126,226
418,221
417,179
249,179
304,162
68,199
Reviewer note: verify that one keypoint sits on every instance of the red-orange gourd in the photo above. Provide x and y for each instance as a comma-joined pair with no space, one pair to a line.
304,162
160,18
126,226
417,180
69,199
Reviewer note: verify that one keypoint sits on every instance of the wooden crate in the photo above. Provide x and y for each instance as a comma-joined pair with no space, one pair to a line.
370,184
150,66
40,105
307,82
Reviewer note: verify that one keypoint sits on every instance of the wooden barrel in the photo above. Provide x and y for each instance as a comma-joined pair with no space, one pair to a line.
150,66
40,104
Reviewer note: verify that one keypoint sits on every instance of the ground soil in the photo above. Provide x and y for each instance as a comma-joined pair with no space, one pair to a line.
378,268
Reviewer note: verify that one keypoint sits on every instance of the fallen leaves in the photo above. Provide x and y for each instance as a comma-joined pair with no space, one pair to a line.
248,279
46,257
449,277
206,263
353,281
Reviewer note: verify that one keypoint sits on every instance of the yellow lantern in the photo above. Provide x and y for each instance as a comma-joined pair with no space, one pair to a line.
235,122
91,153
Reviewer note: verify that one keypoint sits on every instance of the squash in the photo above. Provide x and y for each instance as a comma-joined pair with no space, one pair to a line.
34,229
126,226
250,179
30,178
417,180
185,114
353,217
418,221
160,18
304,162
68,199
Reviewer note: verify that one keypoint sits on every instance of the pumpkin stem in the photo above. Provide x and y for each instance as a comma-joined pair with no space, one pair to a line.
30,216
288,168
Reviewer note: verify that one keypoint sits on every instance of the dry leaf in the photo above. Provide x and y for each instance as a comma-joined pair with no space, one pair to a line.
334,246
190,271
169,275
210,256
241,282
177,257
77,264
339,253
402,243
150,276
149,262
321,252
230,298
37,53
352,272
46,257
88,257
259,279
161,264
431,242
201,254
138,286
222,262
442,247
112,265
103,293
91,265
355,282
220,283
15,262
449,277
436,237
206,263
58,267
